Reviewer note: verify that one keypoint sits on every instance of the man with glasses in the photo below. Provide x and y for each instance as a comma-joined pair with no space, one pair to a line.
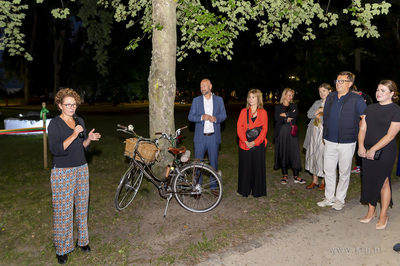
342,112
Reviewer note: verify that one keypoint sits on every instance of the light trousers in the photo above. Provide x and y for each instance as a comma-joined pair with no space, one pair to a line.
337,154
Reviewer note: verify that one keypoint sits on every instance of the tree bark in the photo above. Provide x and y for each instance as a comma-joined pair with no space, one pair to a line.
357,60
162,82
59,41
25,67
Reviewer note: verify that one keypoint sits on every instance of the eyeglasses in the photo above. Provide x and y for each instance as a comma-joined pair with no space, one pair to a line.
70,105
340,81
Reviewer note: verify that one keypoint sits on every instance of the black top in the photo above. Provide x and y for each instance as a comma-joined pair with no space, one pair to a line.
291,111
379,118
74,155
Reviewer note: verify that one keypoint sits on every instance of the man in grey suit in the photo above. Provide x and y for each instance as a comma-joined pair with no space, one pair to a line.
207,112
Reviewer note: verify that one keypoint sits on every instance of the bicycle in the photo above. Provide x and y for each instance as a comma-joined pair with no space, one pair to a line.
196,186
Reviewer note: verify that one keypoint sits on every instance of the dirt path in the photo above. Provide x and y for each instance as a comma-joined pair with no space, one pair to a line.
330,238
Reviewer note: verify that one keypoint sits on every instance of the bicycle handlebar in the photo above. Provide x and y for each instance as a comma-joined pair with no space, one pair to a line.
163,134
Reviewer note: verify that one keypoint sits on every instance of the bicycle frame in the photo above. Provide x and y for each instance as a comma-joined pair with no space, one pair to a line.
161,184
182,181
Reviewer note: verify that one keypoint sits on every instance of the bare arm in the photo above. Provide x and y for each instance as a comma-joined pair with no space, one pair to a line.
361,137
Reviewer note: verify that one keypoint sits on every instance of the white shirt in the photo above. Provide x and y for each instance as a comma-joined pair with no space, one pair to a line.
208,109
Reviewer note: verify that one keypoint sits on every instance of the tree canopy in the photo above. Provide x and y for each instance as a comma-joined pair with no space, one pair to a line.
204,26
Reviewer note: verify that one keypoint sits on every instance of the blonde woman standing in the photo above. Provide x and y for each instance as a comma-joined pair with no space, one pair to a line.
287,151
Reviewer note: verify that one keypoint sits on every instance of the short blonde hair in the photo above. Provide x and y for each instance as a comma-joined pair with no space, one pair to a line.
258,93
61,94
285,91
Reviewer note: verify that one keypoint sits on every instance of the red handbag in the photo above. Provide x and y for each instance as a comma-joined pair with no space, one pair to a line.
293,130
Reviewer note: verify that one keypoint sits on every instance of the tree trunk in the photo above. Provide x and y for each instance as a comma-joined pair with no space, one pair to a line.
25,73
25,67
162,82
357,60
59,41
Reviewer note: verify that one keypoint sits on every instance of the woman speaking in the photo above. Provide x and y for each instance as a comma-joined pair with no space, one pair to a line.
70,174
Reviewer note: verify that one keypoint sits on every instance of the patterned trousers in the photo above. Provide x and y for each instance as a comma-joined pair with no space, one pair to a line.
69,187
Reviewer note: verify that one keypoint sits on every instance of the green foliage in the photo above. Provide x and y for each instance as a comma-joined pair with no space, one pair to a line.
11,19
99,25
214,29
202,28
61,13
364,15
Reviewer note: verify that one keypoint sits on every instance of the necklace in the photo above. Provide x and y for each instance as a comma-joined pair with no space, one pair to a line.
253,114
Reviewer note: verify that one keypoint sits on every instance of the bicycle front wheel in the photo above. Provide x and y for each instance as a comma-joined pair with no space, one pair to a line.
128,187
198,188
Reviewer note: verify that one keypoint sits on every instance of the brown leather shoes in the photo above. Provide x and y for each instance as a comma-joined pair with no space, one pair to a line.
215,192
312,185
321,187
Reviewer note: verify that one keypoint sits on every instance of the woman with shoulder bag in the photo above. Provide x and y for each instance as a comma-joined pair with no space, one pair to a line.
287,151
252,128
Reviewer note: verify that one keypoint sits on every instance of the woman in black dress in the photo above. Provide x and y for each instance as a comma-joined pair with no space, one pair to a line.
287,152
379,127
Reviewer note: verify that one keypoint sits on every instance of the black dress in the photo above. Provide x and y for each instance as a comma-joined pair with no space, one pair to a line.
252,171
287,151
378,118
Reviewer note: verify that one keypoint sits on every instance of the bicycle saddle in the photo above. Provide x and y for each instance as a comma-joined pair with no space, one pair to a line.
177,150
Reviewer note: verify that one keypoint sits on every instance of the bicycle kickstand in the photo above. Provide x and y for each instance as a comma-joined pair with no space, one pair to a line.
166,207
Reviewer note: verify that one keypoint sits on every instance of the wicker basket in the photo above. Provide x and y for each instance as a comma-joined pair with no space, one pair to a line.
148,151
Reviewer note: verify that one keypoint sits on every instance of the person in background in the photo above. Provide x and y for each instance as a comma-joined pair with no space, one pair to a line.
378,129
368,100
287,152
313,142
252,171
68,142
342,112
207,112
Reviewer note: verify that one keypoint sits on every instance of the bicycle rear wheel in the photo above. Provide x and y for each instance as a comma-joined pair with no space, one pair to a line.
198,188
128,187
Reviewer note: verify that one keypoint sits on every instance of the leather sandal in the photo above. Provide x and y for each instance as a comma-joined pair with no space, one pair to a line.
298,180
284,180
312,185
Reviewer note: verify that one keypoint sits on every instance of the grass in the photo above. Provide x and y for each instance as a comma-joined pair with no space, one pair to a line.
138,235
